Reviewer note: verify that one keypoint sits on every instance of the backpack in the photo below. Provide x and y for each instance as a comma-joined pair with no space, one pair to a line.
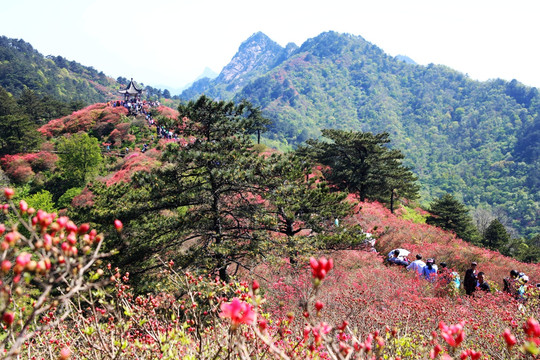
456,279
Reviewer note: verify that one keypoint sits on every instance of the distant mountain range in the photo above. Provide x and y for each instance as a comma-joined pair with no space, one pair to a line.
477,140
207,73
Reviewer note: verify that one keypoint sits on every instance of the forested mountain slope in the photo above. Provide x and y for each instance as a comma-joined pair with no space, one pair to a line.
477,140
22,66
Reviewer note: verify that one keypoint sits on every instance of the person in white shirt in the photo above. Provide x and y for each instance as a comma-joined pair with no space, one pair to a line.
417,265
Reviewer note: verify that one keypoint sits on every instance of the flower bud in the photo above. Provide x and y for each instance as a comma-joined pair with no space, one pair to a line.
509,338
118,225
23,206
31,266
6,266
8,193
65,353
84,228
255,285
8,317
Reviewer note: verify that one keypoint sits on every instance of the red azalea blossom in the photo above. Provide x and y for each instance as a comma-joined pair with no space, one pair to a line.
263,324
321,267
255,285
452,334
435,351
532,327
475,355
238,311
65,353
509,338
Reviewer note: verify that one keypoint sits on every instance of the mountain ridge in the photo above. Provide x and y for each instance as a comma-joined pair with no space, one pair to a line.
459,135
256,55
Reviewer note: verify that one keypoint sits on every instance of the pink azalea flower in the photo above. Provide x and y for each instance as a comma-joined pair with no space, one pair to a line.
238,311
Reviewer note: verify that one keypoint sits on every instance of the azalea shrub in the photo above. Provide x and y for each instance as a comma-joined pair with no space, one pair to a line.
394,232
166,112
397,305
61,299
89,119
21,168
199,316
45,263
133,163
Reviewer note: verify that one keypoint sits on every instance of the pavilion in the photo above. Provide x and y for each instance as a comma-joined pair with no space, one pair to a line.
132,91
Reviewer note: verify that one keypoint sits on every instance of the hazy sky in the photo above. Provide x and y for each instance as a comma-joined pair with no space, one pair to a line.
167,42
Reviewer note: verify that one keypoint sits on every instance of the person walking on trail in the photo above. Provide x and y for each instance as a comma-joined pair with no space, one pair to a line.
417,265
471,278
429,272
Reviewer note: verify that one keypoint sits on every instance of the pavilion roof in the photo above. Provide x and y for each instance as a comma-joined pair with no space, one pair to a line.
131,89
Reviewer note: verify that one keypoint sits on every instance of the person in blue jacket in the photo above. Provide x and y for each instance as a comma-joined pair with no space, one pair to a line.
429,272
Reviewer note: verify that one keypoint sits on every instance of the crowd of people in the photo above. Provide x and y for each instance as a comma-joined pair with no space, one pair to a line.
135,107
517,284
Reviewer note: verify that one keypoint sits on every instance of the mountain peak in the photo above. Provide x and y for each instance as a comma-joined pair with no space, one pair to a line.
258,52
259,37
406,59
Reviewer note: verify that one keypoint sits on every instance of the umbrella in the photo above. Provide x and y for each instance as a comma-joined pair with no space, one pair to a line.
402,253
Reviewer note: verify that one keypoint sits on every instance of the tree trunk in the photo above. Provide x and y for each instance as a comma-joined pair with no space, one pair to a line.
392,202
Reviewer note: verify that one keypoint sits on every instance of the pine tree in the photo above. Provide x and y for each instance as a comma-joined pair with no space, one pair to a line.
360,162
202,206
17,131
30,103
496,236
450,214
8,105
259,123
298,202
18,134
